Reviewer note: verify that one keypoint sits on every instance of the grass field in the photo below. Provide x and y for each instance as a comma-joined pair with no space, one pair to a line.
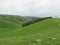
47,32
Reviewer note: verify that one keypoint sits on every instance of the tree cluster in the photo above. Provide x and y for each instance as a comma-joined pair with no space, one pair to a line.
34,21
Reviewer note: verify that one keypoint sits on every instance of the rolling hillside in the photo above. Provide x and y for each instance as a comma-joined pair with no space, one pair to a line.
47,32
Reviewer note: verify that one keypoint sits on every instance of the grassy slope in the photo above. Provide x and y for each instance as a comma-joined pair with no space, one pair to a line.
45,30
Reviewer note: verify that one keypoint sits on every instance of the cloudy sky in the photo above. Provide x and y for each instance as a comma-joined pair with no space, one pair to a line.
30,7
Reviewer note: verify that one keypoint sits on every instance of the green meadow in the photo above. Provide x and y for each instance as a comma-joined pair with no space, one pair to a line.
45,32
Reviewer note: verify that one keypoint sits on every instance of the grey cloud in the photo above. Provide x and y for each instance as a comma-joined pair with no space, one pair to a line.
31,7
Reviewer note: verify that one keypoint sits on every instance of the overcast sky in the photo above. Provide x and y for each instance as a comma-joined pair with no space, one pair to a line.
30,7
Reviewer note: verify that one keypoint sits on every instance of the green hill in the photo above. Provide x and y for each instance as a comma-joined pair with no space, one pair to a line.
47,32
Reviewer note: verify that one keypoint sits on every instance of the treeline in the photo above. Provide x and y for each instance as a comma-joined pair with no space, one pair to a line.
34,21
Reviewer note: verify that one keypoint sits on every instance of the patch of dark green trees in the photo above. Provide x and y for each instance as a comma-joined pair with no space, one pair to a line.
34,21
